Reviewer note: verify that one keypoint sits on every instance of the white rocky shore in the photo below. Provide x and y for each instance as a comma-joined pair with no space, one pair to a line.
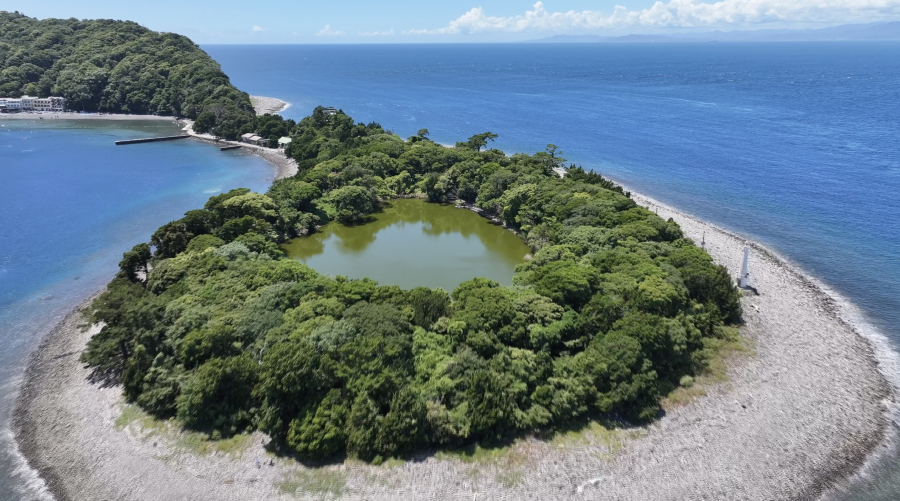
797,416
269,105
286,167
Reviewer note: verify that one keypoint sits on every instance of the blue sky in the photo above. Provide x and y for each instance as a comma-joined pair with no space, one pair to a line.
397,21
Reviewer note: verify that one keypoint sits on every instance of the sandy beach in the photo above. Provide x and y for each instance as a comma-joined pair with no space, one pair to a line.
81,116
261,105
796,417
286,167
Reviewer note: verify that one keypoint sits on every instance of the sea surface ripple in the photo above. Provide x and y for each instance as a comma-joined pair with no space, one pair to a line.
792,144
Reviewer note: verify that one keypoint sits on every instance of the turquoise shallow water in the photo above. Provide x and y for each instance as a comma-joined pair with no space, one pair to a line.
792,144
70,203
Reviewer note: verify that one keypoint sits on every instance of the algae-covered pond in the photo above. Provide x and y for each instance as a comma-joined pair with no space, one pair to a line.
414,243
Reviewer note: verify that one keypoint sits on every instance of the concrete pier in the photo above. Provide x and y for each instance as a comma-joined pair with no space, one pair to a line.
150,140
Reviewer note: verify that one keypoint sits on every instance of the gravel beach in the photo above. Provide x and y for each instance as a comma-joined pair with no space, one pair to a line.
796,417
269,105
286,166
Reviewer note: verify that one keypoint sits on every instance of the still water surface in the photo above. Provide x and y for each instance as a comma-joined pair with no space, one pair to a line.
414,243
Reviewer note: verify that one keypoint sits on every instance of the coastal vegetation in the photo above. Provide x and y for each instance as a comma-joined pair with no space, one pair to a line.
210,323
119,67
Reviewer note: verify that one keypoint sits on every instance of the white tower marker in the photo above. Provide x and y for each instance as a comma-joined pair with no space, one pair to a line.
745,270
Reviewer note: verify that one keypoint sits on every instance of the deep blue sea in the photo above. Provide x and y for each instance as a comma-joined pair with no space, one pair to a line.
70,203
792,144
796,145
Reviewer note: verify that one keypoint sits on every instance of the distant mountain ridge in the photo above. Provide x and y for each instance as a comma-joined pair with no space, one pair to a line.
873,31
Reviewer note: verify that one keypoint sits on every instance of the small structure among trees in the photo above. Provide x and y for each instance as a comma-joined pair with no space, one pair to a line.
252,138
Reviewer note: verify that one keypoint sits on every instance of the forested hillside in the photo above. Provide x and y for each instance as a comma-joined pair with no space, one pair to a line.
227,334
117,66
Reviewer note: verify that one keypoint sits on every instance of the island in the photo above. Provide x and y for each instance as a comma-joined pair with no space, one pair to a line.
622,362
614,310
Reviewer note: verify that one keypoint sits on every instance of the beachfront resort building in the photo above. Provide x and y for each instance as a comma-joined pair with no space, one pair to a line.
30,103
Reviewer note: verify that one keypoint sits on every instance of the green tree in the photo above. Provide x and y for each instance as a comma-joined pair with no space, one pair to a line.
219,395
612,311
321,432
135,261
118,66
351,203
479,141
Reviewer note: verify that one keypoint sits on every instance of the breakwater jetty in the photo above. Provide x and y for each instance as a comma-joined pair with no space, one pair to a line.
150,139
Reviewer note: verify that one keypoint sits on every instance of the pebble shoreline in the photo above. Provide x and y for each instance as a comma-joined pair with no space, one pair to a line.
795,419
286,167
263,105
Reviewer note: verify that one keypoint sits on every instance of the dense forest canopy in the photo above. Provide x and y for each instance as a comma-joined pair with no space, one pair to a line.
210,323
118,66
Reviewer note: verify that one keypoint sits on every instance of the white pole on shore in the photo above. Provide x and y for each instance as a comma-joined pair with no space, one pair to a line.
745,270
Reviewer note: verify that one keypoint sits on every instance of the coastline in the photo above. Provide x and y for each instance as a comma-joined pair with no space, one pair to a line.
25,426
261,105
80,116
285,167
794,420
270,105
871,349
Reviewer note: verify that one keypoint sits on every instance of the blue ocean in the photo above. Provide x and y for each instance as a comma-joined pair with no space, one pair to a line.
792,144
70,203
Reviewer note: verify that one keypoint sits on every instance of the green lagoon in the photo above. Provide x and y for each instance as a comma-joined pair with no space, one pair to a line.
414,243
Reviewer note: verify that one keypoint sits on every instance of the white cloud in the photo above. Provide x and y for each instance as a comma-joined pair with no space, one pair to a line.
678,13
328,32
258,28
388,33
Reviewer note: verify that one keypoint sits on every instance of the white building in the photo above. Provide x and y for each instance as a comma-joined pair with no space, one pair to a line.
30,103
9,105
283,142
46,103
